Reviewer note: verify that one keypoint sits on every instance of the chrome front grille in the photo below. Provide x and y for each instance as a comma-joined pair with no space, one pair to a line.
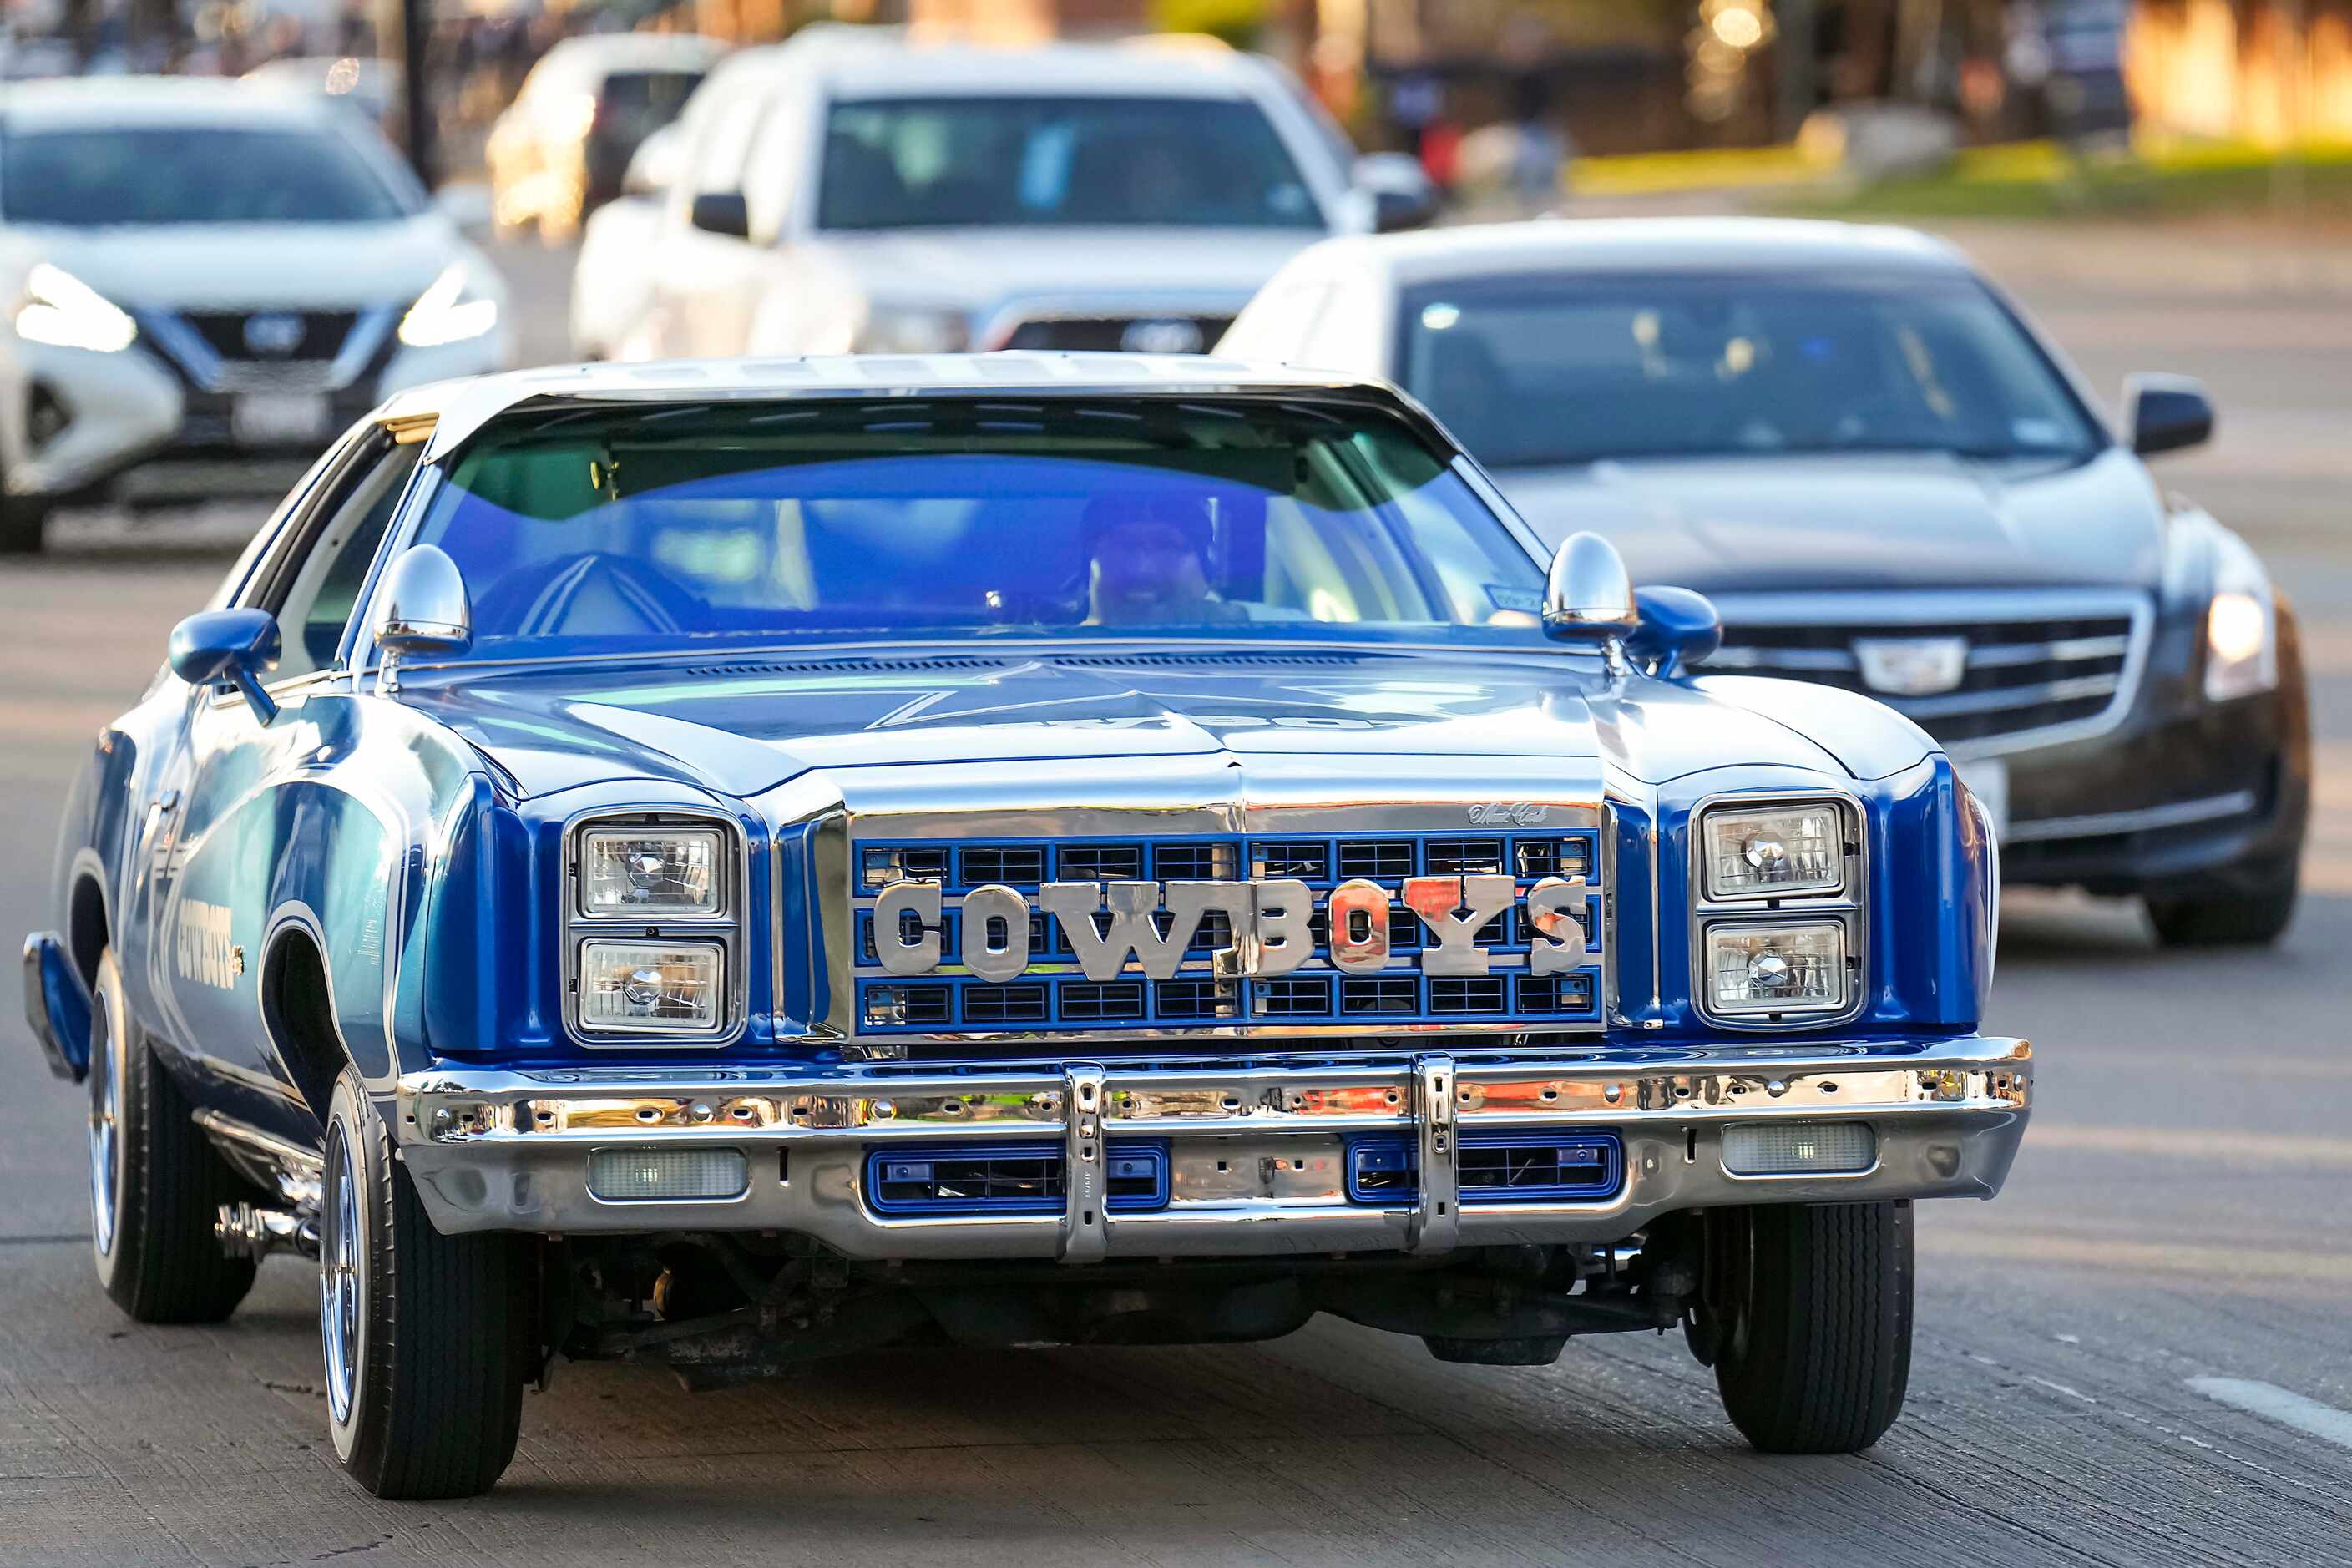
2023,676
1053,994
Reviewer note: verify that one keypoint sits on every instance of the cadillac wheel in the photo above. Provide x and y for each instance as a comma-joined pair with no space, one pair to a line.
427,1336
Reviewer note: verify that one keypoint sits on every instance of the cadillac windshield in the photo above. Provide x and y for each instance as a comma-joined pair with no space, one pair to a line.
719,864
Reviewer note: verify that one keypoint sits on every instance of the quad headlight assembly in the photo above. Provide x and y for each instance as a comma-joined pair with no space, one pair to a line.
1778,915
653,928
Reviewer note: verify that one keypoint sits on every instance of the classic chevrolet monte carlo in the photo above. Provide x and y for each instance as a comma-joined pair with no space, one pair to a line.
720,864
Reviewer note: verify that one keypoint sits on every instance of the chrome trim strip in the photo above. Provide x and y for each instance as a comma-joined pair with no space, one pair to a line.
1436,1221
1085,1213
2098,824
2003,698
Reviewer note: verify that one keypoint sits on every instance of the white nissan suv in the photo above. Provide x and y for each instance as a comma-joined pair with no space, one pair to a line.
201,283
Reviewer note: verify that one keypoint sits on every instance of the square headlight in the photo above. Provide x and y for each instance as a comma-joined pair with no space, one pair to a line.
1798,967
1774,851
638,872
662,988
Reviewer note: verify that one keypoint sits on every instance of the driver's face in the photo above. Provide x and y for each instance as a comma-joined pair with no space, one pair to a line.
1144,572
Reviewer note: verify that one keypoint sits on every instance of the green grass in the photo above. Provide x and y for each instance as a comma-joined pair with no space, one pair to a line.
2012,180
2040,180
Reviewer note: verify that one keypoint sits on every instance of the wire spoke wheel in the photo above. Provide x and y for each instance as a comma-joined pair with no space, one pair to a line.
342,1278
105,1131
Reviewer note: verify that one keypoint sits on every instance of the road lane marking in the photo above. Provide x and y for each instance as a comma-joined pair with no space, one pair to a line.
2309,1417
2251,1147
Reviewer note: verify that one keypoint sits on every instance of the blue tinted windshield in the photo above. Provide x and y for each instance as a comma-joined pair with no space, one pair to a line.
694,527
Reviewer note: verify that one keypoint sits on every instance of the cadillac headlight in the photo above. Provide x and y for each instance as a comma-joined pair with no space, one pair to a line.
2241,624
1775,851
456,308
1797,967
651,871
59,309
652,987
896,331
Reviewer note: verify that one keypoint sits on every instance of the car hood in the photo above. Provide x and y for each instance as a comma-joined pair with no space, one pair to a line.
1353,718
1908,521
292,265
981,269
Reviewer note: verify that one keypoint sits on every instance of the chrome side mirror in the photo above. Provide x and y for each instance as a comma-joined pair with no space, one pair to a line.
1589,597
425,610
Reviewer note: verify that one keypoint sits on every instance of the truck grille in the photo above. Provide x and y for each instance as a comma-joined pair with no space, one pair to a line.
2018,676
1053,995
1175,333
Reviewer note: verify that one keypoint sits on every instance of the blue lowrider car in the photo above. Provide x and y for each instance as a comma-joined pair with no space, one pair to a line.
722,864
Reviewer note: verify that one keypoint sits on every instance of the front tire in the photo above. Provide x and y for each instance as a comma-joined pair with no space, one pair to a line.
427,1337
156,1183
2254,915
24,521
1813,1303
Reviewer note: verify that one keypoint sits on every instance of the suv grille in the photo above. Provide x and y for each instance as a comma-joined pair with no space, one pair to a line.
2018,676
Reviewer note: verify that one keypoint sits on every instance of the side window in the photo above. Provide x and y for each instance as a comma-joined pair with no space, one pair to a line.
317,587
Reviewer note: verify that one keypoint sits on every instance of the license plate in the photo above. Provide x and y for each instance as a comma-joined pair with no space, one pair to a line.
1988,780
278,419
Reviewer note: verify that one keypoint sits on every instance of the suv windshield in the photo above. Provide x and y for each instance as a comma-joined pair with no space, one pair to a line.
698,526
931,163
161,174
1579,368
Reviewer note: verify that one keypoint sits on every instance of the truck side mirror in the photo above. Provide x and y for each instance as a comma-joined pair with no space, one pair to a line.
1588,598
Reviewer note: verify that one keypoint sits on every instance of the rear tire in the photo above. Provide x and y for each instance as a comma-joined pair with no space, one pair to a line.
2255,916
156,1183
1815,1303
427,1338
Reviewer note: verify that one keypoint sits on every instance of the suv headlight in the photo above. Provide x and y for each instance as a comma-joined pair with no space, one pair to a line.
458,306
650,871
61,309
2241,624
1774,851
1800,966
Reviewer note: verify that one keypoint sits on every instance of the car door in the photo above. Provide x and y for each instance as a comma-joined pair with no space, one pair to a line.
243,819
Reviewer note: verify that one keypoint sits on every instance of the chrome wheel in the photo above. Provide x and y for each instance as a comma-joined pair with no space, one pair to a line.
343,1278
105,1131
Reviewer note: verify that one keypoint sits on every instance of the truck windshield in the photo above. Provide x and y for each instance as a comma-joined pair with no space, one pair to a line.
960,162
698,526
1575,368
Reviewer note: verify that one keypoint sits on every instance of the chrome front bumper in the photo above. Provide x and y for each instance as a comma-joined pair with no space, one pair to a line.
1258,1150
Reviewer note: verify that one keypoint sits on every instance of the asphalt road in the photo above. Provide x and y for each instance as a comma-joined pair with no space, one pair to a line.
2142,1353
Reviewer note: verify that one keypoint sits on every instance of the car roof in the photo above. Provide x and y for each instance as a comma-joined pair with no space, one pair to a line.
894,66
1637,245
605,52
456,410
165,101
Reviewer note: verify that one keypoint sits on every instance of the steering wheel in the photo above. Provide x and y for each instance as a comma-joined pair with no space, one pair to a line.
548,599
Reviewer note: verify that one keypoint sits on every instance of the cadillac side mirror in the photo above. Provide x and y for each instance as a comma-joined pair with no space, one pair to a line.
2166,413
721,212
426,609
233,647
1678,628
1588,598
